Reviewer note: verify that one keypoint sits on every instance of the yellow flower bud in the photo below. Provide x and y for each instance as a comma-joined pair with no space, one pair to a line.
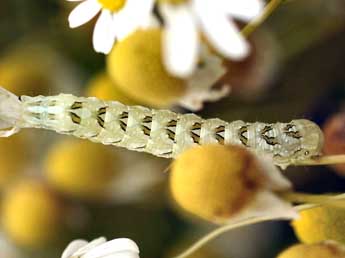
320,224
21,76
102,87
135,63
14,158
216,182
32,68
327,249
80,168
31,215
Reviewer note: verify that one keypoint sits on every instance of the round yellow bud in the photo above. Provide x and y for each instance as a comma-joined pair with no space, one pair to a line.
135,63
215,181
80,168
23,76
102,87
31,215
320,224
320,250
14,158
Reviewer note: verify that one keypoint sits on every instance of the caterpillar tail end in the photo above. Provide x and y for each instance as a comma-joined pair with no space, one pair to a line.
10,113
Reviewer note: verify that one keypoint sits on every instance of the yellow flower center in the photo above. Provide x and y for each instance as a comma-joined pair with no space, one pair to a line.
112,5
135,64
173,2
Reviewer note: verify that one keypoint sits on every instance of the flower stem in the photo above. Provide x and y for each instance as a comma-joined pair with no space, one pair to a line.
312,200
336,201
324,160
220,230
252,26
296,197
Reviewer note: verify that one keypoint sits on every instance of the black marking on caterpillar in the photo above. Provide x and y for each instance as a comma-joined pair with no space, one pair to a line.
75,118
241,133
101,116
164,133
77,105
270,140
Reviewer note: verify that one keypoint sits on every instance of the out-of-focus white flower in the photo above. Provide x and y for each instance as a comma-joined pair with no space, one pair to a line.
183,20
118,18
100,248
200,85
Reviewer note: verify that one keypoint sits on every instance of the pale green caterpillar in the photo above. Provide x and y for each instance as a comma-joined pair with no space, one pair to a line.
160,132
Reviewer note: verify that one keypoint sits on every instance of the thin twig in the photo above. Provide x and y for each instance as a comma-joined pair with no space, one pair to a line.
329,201
323,160
252,26
333,201
220,230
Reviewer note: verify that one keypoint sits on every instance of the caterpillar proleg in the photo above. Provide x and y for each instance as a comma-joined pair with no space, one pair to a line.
160,132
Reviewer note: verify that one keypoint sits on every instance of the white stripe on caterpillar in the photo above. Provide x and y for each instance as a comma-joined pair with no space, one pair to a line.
164,133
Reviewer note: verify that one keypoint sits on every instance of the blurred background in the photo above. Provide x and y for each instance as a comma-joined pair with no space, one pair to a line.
50,196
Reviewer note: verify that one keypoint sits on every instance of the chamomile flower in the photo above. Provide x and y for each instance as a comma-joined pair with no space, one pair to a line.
100,248
118,18
135,64
223,184
185,18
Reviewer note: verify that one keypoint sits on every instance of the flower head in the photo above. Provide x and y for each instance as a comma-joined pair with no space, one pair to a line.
327,249
135,64
118,18
43,215
100,248
222,183
75,174
183,20
103,87
320,224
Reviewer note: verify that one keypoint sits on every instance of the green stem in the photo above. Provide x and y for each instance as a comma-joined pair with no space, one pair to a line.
220,230
269,9
316,201
325,160
335,201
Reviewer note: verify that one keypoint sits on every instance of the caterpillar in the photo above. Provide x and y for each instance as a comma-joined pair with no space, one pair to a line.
160,132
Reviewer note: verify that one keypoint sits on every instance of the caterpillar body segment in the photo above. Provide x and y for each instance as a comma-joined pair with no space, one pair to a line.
164,133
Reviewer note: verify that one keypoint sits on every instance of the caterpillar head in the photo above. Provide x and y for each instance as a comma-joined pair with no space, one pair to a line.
303,140
306,143
311,138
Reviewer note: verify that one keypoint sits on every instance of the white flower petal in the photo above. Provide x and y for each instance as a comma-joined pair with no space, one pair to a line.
221,32
143,10
266,203
83,13
74,0
116,246
94,243
103,35
180,40
244,9
121,255
73,247
199,85
135,14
